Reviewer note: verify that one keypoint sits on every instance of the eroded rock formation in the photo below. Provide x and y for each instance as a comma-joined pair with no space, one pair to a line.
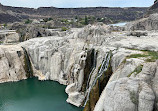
96,63
133,93
29,31
13,64
149,23
9,36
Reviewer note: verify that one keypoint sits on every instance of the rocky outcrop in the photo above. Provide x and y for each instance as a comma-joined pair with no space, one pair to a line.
153,8
8,36
149,23
101,68
132,94
75,60
137,33
29,31
13,63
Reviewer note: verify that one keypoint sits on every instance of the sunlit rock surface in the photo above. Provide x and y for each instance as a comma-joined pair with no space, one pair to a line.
94,62
131,93
148,23
8,36
12,64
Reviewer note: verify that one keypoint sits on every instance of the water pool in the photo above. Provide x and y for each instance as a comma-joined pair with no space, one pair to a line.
34,95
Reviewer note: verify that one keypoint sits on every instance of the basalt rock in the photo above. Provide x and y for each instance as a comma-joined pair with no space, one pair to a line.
153,8
20,13
29,31
149,23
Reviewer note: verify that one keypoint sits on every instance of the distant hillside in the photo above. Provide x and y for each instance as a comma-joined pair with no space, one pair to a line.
153,8
12,14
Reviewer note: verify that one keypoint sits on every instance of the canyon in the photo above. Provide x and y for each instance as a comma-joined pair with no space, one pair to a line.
93,62
104,67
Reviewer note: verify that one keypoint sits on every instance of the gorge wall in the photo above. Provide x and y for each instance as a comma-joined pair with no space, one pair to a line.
153,8
12,14
104,70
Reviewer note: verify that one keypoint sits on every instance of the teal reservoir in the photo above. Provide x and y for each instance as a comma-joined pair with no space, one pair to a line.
34,95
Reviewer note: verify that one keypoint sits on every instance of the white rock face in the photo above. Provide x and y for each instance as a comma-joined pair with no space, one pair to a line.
9,36
63,59
60,60
54,56
130,94
11,63
71,61
75,97
142,43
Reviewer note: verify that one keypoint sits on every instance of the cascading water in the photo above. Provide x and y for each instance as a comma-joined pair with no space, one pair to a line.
28,65
93,68
103,68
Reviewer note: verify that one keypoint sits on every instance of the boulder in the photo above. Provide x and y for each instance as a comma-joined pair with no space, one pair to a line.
137,33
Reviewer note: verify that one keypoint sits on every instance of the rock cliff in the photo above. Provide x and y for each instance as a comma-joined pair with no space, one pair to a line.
149,23
153,8
13,63
20,13
104,69
9,36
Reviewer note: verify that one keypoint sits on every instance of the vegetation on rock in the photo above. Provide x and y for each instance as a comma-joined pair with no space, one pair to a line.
28,21
137,70
150,56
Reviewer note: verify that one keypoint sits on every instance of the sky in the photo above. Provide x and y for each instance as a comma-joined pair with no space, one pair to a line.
77,3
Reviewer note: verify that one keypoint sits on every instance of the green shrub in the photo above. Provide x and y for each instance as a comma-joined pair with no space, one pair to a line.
5,25
137,55
64,29
152,56
28,21
47,19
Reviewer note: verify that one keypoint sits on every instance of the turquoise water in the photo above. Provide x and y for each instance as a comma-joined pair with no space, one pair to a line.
34,95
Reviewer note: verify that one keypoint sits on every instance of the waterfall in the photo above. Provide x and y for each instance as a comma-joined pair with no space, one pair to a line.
104,67
28,65
93,68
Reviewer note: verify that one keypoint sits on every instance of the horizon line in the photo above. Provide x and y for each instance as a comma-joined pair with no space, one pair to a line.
70,7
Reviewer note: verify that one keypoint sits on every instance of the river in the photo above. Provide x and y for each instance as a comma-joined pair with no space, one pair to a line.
119,24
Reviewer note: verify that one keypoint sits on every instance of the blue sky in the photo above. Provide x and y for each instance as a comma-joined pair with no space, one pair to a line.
78,3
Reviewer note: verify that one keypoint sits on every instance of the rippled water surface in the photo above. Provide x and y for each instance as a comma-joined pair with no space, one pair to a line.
34,95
